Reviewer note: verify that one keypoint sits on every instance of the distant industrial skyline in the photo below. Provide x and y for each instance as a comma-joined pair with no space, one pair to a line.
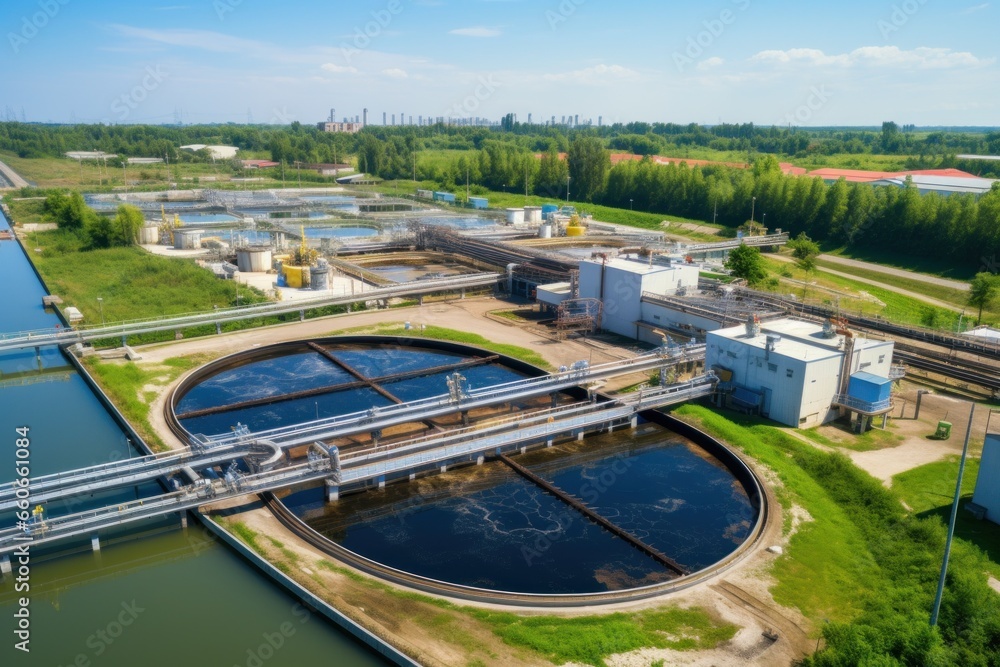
811,64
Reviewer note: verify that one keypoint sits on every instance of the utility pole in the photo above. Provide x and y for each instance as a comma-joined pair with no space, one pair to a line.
954,516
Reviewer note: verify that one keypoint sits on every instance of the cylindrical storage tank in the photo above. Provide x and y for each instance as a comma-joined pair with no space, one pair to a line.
253,259
319,275
575,230
545,231
187,239
515,216
532,214
549,209
149,235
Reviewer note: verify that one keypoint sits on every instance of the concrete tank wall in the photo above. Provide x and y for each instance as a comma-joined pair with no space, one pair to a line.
253,260
149,235
188,239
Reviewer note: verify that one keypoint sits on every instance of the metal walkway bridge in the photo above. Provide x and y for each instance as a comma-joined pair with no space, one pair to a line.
729,244
372,465
268,446
64,336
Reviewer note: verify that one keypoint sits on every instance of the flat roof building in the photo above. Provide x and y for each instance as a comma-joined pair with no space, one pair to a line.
987,495
620,283
801,373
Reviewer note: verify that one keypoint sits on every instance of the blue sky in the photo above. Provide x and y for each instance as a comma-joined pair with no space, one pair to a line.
927,62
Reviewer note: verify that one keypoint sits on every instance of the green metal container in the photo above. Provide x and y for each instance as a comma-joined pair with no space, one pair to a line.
943,431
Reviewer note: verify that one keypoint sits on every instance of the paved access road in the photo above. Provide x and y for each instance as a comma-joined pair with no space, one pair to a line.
901,273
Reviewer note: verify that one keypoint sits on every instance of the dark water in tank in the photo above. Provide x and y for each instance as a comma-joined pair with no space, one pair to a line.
280,375
487,527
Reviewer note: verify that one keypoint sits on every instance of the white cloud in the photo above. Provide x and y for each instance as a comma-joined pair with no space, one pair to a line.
339,69
975,8
710,63
476,31
598,74
395,73
874,56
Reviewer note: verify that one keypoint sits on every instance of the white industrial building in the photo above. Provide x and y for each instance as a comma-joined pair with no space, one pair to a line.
942,185
800,373
217,152
987,495
620,283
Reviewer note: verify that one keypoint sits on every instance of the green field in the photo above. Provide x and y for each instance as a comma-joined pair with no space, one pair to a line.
860,566
956,297
898,307
133,283
929,491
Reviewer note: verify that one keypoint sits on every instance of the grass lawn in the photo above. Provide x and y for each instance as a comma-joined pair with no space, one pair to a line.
587,640
859,551
838,438
930,489
931,266
129,386
132,282
958,298
898,308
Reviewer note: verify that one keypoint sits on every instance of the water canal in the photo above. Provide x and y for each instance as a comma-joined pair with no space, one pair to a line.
165,597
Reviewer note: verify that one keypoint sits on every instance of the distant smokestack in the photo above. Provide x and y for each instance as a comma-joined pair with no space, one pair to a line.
600,121
384,116
364,118
333,115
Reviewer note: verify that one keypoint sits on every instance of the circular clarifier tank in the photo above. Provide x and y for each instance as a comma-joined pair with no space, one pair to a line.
488,531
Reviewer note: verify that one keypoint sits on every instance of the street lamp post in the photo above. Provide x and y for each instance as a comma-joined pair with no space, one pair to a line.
753,204
567,190
630,205
100,305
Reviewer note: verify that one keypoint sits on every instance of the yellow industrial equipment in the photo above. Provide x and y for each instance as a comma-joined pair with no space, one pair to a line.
168,226
575,228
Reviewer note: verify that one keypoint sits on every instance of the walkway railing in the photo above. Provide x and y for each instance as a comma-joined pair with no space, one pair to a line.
62,336
358,469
